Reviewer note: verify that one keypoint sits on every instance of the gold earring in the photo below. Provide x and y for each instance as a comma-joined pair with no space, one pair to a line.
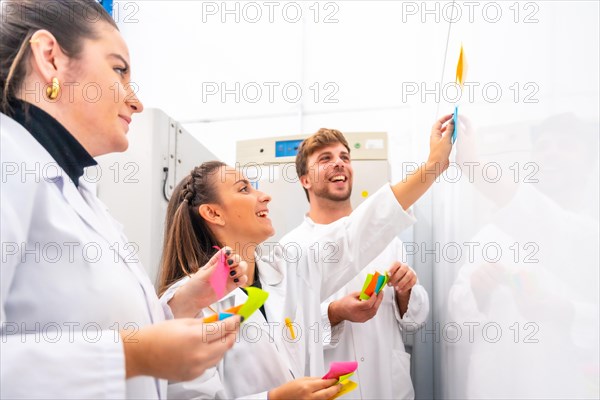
52,90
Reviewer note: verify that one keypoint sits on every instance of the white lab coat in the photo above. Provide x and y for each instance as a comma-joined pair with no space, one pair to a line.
297,282
256,364
377,345
69,284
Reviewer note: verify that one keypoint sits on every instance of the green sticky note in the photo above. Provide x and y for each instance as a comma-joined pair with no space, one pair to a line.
371,288
387,278
256,298
344,377
363,295
367,281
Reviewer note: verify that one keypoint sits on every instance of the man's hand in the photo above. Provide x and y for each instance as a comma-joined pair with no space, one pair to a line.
352,308
402,278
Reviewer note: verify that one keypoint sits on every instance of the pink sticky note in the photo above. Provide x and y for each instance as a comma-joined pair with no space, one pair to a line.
218,279
337,369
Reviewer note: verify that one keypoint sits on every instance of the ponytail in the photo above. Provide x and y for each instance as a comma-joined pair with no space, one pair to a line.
188,242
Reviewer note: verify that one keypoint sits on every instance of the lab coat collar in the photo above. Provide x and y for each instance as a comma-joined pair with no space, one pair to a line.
269,272
38,158
94,214
77,199
64,148
309,220
37,155
51,172
237,296
313,224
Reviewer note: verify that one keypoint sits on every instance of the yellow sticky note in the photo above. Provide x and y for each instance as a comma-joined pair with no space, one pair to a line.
347,387
256,298
461,68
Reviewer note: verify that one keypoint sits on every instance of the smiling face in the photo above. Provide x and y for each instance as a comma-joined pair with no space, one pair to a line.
329,174
243,213
102,102
96,100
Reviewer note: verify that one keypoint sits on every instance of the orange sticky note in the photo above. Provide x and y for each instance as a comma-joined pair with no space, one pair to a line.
372,285
234,310
211,318
461,68
363,295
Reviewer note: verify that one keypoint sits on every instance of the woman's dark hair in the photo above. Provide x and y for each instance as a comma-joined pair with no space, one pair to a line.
70,21
188,242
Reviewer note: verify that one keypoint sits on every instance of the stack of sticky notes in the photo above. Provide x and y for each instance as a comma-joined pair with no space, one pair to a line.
373,284
342,371
256,298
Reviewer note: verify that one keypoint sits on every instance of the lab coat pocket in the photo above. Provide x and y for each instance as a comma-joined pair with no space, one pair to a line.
402,384
292,337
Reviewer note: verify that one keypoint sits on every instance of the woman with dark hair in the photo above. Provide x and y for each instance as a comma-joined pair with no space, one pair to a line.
79,316
216,206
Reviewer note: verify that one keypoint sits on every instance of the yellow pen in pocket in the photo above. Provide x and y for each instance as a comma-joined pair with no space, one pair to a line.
288,323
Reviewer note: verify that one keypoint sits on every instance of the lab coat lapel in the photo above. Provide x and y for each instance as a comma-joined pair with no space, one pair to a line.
94,214
110,230
231,299
85,210
240,297
90,210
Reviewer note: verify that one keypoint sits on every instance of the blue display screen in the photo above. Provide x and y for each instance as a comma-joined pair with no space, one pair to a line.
287,148
107,4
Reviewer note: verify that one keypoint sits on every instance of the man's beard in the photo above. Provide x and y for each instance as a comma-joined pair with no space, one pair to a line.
325,193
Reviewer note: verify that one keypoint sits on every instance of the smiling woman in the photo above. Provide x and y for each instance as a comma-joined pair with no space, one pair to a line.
91,92
66,97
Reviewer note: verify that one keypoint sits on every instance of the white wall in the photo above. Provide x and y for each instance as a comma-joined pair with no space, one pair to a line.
533,309
369,58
